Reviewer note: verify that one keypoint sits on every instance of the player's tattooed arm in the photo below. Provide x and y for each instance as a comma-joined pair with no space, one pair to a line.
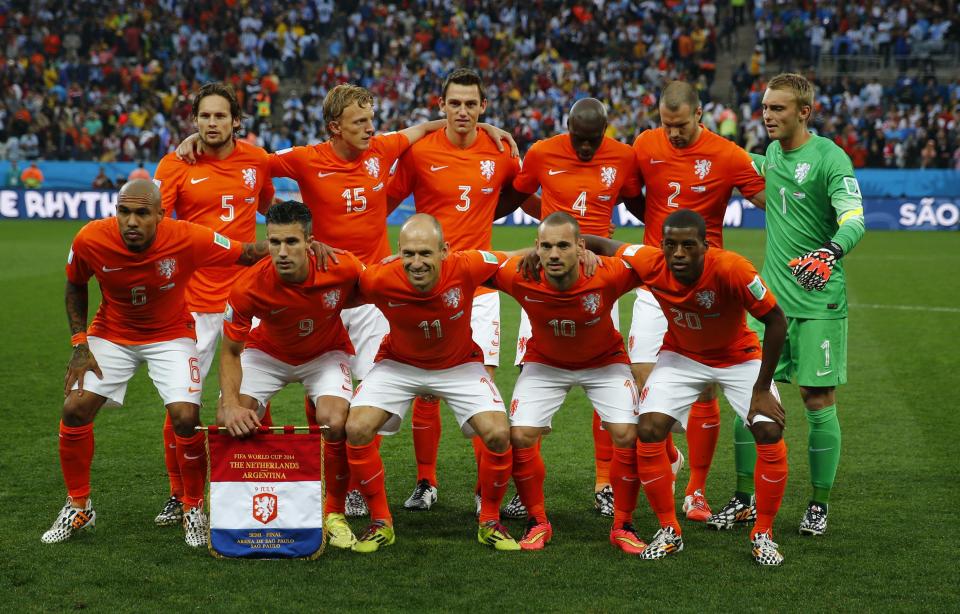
763,402
77,301
251,253
82,360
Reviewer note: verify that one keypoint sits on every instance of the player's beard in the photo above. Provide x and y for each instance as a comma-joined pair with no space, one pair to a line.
215,145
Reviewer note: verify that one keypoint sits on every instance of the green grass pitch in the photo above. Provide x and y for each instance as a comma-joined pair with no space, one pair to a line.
891,545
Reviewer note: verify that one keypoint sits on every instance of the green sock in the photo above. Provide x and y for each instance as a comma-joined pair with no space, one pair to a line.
745,458
824,450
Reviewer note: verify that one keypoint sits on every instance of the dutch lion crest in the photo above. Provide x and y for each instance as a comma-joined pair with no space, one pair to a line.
373,166
706,298
590,302
800,173
451,298
249,177
331,298
487,168
702,168
265,507
608,174
167,267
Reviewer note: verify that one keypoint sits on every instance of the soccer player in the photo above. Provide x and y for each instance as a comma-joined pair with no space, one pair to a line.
426,296
456,175
143,263
708,292
686,166
573,342
300,339
585,174
223,191
814,218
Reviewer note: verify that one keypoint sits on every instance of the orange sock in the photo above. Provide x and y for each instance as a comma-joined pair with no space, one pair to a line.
672,454
310,410
336,475
602,452
478,449
529,473
367,467
495,470
267,419
703,430
354,483
626,486
426,437
192,454
770,480
76,456
653,469
171,459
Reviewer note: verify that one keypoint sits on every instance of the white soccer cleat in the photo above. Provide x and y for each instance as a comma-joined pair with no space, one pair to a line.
665,543
814,520
766,552
603,501
69,521
195,527
355,506
423,497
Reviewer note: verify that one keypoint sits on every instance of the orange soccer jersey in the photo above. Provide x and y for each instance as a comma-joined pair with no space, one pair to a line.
298,322
586,190
572,329
700,177
706,321
430,330
223,195
143,293
348,200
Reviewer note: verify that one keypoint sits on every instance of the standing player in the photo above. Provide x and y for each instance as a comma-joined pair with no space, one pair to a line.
815,217
456,175
708,293
574,342
685,166
426,296
585,174
223,191
142,263
300,339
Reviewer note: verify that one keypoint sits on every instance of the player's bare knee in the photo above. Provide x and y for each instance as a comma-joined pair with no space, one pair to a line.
522,437
817,398
622,435
652,429
332,413
185,418
766,433
363,423
497,439
78,410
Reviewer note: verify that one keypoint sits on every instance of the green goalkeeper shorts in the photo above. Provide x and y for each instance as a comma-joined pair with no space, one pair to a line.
814,353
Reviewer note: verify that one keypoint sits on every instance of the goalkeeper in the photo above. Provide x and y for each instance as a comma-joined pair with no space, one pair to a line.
814,217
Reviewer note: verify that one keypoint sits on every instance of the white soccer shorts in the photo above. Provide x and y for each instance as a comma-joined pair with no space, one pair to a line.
676,381
209,327
525,332
485,324
392,386
647,329
326,375
174,367
541,389
366,326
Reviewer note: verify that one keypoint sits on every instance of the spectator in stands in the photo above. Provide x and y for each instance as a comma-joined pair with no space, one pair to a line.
32,177
138,173
13,176
101,181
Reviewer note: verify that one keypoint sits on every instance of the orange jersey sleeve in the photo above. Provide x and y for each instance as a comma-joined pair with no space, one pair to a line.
700,177
223,195
572,329
298,322
348,198
430,330
143,293
707,320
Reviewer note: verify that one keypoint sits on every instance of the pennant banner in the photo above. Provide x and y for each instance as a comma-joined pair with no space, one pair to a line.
266,495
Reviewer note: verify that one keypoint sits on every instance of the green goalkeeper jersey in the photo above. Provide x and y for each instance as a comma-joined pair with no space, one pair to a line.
812,197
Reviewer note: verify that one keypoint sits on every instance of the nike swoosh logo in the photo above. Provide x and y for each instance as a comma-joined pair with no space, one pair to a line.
820,449
419,428
499,484
365,482
107,269
552,172
525,478
188,457
822,373
172,446
345,389
711,426
489,353
196,181
322,175
652,161
192,390
274,312
628,479
645,482
532,300
434,169
764,476
342,477
392,304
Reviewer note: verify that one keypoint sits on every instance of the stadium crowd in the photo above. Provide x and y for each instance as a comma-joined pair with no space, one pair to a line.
115,84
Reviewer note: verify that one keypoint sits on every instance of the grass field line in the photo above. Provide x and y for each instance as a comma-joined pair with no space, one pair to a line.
906,307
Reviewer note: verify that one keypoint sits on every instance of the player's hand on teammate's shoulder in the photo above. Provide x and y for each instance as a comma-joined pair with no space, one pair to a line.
390,258
765,403
238,420
528,265
82,361
498,135
189,149
590,262
325,254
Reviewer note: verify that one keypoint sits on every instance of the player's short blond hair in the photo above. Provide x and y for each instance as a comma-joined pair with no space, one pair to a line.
341,97
798,85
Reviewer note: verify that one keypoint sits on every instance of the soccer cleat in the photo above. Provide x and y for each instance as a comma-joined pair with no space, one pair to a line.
603,501
492,533
378,534
537,535
733,513
195,527
338,531
626,539
423,497
675,467
765,551
814,520
171,514
515,509
665,543
69,521
696,507
355,506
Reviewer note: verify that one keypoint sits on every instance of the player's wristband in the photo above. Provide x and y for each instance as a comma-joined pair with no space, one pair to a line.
78,339
834,248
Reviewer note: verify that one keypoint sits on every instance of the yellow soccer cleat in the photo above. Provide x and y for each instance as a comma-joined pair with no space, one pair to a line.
492,533
378,534
338,531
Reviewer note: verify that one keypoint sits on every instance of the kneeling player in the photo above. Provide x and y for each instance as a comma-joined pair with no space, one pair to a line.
706,294
300,339
142,263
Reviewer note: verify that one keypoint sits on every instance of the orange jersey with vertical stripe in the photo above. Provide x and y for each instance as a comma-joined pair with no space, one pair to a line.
700,177
572,328
430,330
586,190
223,195
143,292
707,320
348,199
298,321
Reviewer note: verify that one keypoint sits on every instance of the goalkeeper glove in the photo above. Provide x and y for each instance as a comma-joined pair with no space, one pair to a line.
813,269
